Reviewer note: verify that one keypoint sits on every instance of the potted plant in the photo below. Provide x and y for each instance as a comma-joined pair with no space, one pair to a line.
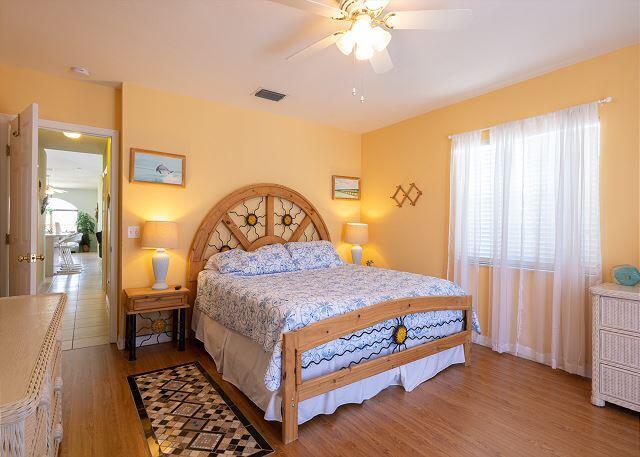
87,226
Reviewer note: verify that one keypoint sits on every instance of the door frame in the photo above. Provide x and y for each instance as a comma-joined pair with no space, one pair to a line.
114,227
4,203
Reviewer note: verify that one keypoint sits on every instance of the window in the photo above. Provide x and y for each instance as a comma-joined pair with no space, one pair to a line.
60,213
517,189
525,202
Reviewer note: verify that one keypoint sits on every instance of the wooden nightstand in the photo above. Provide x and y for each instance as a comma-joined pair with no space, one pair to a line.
147,300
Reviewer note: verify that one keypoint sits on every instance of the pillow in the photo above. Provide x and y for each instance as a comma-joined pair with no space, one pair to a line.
310,255
273,258
222,259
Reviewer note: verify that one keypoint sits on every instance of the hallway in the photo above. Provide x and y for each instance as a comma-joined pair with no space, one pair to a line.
85,321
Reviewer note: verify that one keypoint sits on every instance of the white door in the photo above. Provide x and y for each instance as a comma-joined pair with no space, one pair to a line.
23,202
5,119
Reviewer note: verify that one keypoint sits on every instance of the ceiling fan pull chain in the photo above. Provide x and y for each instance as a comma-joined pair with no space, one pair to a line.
361,84
354,92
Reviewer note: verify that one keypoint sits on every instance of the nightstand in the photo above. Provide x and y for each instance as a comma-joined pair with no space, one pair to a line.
146,300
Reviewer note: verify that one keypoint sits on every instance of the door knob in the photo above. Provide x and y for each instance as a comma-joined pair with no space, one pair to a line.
30,258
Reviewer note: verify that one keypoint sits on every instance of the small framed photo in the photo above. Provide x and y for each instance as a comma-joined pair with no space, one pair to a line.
345,188
157,167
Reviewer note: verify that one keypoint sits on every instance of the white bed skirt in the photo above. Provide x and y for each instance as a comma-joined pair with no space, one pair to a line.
243,363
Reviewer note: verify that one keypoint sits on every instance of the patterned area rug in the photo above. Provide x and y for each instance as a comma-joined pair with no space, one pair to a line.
184,412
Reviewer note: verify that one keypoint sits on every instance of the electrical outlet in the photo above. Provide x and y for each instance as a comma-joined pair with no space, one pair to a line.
133,231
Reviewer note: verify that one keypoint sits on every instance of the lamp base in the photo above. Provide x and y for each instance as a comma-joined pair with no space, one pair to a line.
356,254
160,262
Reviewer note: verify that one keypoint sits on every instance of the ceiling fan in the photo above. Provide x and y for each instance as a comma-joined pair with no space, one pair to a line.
369,26
50,190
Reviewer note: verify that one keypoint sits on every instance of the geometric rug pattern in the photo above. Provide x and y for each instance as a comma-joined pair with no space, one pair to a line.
184,412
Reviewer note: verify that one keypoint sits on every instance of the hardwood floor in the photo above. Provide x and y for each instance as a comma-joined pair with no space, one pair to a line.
500,405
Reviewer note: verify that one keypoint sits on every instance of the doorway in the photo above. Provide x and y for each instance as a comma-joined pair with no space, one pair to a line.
72,172
73,198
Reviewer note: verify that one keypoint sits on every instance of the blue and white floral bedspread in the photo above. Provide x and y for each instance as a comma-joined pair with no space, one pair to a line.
265,306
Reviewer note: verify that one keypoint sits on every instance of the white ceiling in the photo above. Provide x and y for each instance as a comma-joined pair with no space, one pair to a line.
73,170
224,49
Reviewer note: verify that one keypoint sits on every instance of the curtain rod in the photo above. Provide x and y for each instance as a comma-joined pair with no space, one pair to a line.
600,102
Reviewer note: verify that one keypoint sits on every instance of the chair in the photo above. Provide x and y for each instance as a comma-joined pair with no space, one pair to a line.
68,266
99,238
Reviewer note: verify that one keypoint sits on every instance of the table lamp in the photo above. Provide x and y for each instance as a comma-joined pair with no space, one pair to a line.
160,235
357,234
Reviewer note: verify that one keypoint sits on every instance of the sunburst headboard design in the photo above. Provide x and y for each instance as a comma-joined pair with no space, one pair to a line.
251,217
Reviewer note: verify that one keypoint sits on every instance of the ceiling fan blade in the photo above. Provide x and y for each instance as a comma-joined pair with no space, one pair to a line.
381,61
429,19
326,8
317,46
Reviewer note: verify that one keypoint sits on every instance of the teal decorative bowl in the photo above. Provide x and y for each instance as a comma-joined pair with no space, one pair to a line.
626,275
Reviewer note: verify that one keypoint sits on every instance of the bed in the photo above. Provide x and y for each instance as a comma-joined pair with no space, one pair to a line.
303,341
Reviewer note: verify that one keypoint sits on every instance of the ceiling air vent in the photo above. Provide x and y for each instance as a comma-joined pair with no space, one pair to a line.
269,95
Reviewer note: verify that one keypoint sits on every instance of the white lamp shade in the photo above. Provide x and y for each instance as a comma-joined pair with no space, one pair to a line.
160,235
380,38
346,42
357,233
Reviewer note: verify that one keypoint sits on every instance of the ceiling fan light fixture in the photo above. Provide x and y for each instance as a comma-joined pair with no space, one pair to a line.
361,28
364,50
390,20
72,135
346,43
379,38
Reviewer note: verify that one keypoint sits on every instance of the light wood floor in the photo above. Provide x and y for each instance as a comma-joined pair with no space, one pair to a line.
85,321
501,405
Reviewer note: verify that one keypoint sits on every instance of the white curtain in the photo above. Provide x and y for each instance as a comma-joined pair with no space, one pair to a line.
525,232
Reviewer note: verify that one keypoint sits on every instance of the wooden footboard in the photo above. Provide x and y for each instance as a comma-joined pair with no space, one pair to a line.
294,390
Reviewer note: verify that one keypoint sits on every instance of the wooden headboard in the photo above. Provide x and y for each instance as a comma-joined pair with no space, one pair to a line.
251,217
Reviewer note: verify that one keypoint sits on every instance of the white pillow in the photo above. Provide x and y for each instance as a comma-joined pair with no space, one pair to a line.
219,258
311,255
273,258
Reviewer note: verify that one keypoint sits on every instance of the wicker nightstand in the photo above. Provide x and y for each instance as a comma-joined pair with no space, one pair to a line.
147,300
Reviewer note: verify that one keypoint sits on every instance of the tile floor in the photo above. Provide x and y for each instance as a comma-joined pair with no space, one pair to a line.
85,320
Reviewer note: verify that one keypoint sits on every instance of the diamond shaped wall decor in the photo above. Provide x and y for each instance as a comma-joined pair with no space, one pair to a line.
412,194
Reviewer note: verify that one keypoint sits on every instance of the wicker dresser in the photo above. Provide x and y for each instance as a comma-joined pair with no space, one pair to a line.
616,345
30,381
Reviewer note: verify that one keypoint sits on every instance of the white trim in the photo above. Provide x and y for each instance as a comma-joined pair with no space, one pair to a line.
4,203
114,234
95,131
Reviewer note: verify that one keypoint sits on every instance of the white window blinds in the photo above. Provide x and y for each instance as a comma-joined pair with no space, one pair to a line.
515,188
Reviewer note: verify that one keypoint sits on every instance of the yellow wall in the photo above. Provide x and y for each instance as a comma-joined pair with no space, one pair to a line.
418,150
59,99
226,148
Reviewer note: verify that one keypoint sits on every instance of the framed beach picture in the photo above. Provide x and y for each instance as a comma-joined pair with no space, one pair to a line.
157,167
346,188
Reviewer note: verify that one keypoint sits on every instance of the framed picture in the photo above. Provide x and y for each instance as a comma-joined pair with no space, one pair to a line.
157,167
345,188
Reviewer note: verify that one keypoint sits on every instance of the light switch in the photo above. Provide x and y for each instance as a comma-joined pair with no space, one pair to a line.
134,231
